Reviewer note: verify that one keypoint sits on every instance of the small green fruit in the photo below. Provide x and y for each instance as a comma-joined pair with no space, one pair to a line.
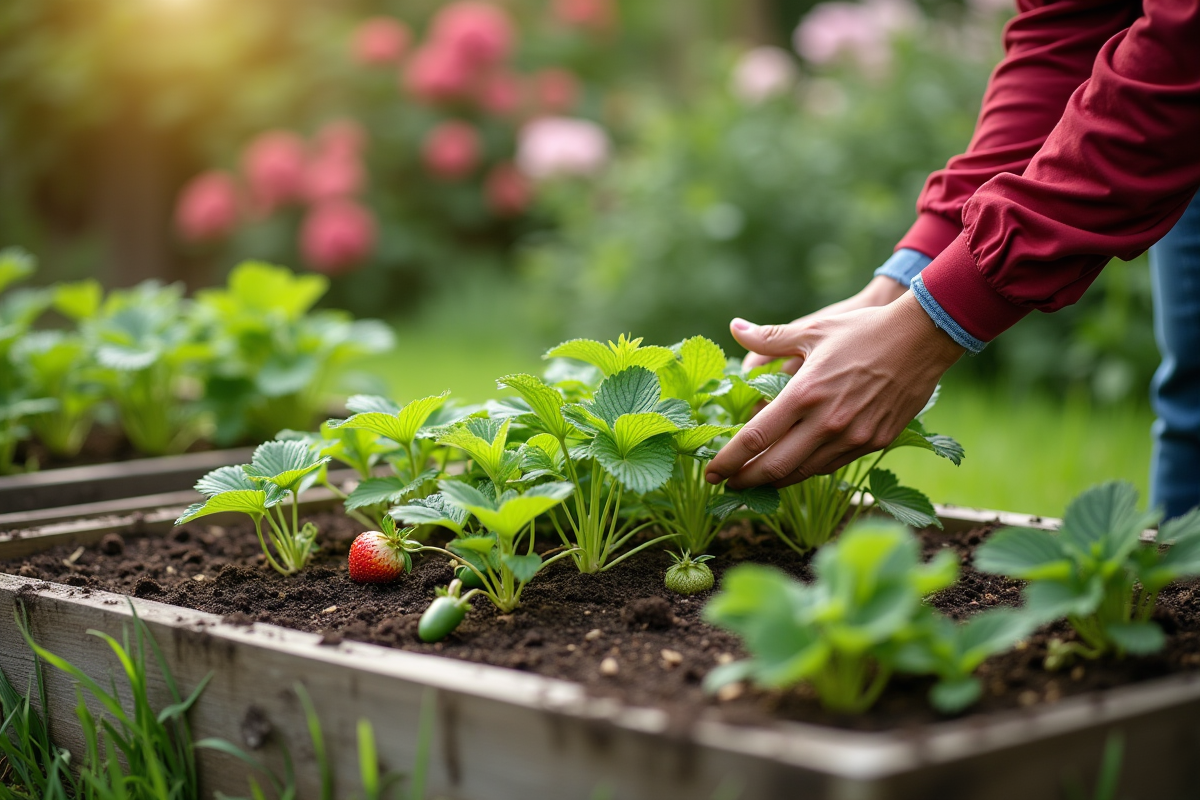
689,575
444,614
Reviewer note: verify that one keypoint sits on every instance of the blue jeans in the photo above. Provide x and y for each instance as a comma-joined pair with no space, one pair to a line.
1175,391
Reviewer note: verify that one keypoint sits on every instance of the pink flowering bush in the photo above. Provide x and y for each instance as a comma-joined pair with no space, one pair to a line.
337,235
762,73
554,146
859,32
381,41
274,168
207,208
451,150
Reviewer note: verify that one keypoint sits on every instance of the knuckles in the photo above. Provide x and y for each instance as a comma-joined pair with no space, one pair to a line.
753,439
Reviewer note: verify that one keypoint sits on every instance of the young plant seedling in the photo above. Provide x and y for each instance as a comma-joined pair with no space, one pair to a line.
1096,572
279,470
811,511
621,440
277,352
381,430
689,575
841,632
146,347
54,364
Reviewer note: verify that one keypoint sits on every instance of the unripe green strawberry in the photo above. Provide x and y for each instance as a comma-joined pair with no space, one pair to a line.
689,575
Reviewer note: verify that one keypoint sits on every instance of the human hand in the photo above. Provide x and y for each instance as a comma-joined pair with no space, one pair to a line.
879,292
863,375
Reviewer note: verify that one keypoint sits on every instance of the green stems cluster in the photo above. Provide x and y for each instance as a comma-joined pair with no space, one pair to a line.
293,543
593,517
811,511
686,512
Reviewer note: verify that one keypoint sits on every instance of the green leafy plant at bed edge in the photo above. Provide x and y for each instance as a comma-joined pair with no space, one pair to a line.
20,404
378,431
376,783
616,441
137,754
1096,572
275,353
55,364
861,619
810,512
146,351
498,550
279,471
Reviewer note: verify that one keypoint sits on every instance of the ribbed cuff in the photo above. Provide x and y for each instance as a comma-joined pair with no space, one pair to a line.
903,266
944,320
958,289
930,234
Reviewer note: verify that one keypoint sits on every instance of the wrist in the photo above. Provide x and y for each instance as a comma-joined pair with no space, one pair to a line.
935,345
881,291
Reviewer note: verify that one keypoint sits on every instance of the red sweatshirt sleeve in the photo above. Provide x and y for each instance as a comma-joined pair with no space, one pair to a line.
1049,49
1111,179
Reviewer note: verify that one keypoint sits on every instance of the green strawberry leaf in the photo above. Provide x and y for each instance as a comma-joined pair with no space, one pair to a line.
906,504
433,510
284,464
761,500
952,696
615,356
545,401
224,479
1138,638
402,426
245,501
1024,553
390,489
641,469
632,391
523,567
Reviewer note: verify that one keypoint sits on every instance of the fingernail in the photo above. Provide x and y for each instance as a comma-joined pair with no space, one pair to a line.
740,324
712,478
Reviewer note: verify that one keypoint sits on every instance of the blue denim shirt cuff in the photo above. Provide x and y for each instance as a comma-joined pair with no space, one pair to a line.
903,266
944,320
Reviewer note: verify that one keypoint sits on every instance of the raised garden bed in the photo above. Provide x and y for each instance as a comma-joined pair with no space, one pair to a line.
553,724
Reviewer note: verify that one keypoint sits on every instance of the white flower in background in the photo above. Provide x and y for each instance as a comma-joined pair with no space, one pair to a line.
552,146
860,31
763,72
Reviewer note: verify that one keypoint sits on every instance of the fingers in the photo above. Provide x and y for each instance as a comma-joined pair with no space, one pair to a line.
756,436
780,460
825,460
753,360
772,341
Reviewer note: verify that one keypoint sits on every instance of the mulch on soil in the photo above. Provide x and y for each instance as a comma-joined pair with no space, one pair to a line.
570,624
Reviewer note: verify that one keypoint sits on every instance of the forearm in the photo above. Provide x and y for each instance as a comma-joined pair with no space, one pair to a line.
1049,51
1113,177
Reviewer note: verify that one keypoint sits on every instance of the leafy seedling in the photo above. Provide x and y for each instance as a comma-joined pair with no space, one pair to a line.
1096,572
279,471
839,633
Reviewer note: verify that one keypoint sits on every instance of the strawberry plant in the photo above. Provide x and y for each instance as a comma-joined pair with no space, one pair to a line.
861,619
618,441
147,353
279,471
810,512
499,548
1096,572
275,355
55,364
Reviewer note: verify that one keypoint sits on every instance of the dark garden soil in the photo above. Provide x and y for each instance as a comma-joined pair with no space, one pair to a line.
570,624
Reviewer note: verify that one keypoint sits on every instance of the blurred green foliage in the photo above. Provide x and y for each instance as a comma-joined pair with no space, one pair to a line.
720,207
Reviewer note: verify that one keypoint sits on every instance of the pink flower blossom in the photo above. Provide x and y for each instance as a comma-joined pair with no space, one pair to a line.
344,136
593,14
337,236
500,93
508,191
556,90
333,174
207,207
436,73
381,40
451,150
274,167
551,146
860,31
763,72
480,33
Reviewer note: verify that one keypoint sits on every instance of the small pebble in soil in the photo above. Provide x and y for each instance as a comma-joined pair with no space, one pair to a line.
730,692
112,544
609,667
672,658
331,638
725,658
571,648
592,635
329,610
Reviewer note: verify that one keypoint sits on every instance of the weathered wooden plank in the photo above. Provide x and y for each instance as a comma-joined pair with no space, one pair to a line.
98,482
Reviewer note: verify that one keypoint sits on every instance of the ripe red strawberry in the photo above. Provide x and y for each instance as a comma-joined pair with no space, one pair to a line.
377,558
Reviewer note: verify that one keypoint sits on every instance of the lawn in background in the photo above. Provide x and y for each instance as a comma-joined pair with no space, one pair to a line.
1030,454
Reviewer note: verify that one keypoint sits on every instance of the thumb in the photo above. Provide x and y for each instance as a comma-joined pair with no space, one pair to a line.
769,340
